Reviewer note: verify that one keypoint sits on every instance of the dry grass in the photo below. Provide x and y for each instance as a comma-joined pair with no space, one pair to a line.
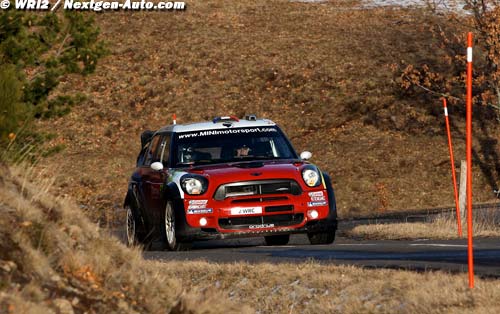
317,289
53,260
322,71
440,228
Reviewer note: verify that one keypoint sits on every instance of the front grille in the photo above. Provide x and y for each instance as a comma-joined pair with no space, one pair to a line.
259,199
249,188
282,208
247,222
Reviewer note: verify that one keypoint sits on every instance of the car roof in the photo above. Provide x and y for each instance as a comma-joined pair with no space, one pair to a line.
202,126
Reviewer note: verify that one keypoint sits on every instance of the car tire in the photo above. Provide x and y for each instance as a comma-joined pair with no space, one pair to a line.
132,228
277,239
172,242
134,235
321,237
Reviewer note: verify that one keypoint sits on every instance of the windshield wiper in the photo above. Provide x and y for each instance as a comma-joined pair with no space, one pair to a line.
190,163
249,159
198,163
266,157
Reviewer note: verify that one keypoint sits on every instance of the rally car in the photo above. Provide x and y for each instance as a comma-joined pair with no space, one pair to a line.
226,178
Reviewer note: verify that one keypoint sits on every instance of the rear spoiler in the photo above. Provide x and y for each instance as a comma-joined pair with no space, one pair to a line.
146,137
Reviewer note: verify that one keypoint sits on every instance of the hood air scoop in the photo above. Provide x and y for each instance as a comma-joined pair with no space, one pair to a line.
246,165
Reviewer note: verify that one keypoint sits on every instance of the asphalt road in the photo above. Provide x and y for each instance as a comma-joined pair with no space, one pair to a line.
417,255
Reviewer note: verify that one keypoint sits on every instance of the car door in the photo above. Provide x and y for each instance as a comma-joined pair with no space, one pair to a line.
153,180
135,185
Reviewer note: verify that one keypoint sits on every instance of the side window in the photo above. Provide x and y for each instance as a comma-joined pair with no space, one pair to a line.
142,155
165,151
153,148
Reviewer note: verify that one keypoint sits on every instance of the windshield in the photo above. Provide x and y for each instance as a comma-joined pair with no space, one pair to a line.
230,145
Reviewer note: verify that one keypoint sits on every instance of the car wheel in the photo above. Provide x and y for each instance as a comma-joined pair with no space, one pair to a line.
132,236
171,239
321,237
135,233
277,239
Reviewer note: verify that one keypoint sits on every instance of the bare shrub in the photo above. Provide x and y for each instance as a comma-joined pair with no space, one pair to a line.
485,224
446,76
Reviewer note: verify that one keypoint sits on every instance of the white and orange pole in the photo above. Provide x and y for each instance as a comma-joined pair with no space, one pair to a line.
453,175
174,119
468,148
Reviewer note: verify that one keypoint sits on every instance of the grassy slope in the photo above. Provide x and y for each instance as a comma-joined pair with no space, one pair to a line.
316,289
441,229
320,70
53,260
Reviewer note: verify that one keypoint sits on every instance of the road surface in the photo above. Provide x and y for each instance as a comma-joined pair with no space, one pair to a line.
417,255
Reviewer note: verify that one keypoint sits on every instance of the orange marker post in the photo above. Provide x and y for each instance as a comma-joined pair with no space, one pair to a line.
453,175
470,251
174,119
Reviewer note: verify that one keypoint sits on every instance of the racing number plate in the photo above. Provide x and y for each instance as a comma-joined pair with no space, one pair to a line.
246,210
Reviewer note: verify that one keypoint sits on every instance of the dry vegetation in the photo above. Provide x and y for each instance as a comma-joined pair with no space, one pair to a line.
53,260
440,228
324,63
314,288
322,71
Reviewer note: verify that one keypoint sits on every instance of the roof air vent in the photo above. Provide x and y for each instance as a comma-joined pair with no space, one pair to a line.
251,117
222,119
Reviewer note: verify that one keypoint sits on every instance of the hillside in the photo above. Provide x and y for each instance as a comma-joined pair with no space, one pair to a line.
54,260
321,71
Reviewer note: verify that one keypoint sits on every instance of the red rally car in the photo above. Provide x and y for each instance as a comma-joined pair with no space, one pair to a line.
226,178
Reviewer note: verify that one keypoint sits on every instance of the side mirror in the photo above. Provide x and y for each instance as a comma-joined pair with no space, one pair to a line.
157,166
305,155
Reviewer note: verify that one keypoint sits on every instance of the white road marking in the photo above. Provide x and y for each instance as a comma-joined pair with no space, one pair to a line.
359,244
439,245
285,246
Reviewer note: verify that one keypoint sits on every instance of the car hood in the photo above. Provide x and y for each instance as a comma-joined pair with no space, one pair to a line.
250,171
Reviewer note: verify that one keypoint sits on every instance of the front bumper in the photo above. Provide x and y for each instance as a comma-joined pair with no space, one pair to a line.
187,233
280,207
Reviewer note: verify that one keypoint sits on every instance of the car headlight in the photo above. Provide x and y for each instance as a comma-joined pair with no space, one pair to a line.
194,185
311,176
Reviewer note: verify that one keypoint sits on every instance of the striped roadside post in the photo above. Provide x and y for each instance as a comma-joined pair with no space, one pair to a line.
470,258
453,175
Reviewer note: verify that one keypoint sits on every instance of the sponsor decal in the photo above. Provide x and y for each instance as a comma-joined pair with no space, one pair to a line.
246,210
261,226
196,206
198,202
200,211
226,132
317,198
316,194
176,178
312,204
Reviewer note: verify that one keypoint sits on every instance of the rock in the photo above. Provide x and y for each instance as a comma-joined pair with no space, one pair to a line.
123,306
75,301
296,282
8,266
55,278
63,306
